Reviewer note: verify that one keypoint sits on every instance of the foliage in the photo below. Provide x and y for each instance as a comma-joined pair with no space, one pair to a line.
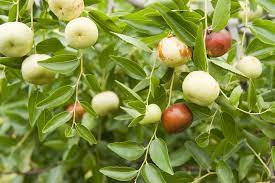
229,141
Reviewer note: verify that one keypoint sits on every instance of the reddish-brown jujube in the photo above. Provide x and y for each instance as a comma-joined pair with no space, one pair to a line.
218,43
177,118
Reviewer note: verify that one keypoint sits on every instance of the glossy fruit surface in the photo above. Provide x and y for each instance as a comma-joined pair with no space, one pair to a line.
79,110
105,102
34,73
200,88
152,114
177,118
81,33
66,9
173,52
250,66
218,43
16,39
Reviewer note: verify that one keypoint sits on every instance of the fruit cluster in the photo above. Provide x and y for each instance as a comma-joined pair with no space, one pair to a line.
198,87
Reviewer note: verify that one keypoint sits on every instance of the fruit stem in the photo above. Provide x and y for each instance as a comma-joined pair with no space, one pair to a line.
147,152
150,80
77,85
197,180
32,27
260,159
246,10
206,25
171,89
17,10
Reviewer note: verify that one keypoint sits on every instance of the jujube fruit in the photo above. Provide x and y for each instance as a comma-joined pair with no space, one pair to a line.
16,39
176,118
250,66
218,43
152,114
81,33
173,52
66,9
200,88
105,102
79,110
33,73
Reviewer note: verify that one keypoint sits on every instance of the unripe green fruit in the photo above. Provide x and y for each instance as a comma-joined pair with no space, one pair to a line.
81,33
16,39
152,114
34,73
66,9
250,66
105,102
173,52
200,88
250,14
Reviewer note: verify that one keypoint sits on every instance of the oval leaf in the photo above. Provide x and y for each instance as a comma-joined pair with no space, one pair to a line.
57,97
119,173
86,134
63,64
159,154
57,121
127,150
131,67
151,174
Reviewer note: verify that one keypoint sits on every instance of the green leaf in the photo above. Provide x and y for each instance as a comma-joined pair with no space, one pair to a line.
199,55
183,29
50,45
128,91
119,173
178,177
259,49
199,155
203,139
57,97
12,12
180,156
224,172
235,96
260,145
57,121
92,82
273,155
86,134
12,62
264,30
151,174
131,67
63,64
88,108
135,121
159,155
268,5
104,21
139,44
34,113
221,15
266,128
127,150
229,127
245,165
227,67
251,97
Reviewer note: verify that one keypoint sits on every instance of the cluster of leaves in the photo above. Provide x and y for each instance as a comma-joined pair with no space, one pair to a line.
230,141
